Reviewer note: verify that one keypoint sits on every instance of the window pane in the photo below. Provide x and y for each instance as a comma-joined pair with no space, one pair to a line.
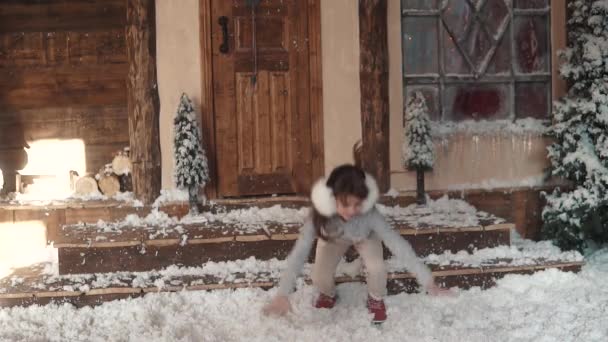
419,4
420,45
453,61
532,100
531,44
458,17
501,61
495,13
531,3
431,95
476,101
478,45
467,32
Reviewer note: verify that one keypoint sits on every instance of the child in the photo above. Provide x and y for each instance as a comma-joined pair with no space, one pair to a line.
344,214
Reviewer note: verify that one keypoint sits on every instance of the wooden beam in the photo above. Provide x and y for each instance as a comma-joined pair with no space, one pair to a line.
316,87
143,101
373,71
207,106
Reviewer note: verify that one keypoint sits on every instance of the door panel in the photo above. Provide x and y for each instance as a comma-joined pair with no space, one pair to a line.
262,120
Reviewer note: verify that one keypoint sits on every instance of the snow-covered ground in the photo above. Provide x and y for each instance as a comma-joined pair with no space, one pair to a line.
547,306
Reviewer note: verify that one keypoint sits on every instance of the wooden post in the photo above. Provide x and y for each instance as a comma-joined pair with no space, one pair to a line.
143,102
420,195
374,89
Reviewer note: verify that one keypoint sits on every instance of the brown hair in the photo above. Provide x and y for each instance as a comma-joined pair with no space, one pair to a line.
344,180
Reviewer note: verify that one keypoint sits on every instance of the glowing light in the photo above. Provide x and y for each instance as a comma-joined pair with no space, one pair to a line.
53,158
23,244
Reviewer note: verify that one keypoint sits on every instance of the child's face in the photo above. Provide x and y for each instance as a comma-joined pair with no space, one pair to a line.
348,206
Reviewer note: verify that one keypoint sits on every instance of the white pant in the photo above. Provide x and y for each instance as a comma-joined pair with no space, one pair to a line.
329,254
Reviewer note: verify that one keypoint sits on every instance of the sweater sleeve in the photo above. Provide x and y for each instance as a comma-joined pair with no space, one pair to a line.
403,251
296,259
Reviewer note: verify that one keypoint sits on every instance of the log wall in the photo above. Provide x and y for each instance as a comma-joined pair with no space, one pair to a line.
63,69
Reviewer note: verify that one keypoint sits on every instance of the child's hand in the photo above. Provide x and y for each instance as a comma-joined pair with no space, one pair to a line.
435,290
279,306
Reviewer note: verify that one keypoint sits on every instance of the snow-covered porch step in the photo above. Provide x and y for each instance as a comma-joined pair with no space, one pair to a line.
464,270
157,241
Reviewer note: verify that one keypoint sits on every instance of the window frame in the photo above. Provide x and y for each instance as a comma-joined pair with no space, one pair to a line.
442,80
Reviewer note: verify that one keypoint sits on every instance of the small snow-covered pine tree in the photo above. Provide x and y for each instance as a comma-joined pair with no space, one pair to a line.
580,131
418,152
191,168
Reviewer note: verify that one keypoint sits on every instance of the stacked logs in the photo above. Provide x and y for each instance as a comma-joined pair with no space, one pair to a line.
111,178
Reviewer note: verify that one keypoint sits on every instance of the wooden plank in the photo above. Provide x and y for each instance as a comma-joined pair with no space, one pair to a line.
316,87
300,98
142,99
424,231
61,76
55,221
126,253
87,215
207,104
135,259
262,124
373,47
224,90
269,183
60,49
99,155
6,216
57,15
499,226
94,125
462,277
246,110
280,121
40,87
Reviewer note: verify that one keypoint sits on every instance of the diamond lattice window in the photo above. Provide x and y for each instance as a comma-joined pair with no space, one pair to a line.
478,59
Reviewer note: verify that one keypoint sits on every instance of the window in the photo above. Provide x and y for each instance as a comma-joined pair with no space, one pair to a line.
478,59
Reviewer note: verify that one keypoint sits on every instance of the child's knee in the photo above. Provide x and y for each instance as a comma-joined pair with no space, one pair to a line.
376,267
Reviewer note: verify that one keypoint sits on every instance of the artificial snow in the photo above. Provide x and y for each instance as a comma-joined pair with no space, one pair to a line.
170,196
442,212
547,306
528,126
488,184
55,198
418,153
520,253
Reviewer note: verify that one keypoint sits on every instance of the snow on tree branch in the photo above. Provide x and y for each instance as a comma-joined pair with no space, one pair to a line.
580,131
418,153
191,167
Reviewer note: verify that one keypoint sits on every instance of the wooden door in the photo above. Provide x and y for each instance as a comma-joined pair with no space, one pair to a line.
262,119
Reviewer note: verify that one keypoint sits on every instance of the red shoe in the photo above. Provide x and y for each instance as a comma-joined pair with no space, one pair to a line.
377,308
325,302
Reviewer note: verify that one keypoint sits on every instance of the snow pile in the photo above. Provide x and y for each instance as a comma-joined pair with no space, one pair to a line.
547,306
522,253
443,212
52,198
171,195
246,220
488,184
258,217
157,219
528,126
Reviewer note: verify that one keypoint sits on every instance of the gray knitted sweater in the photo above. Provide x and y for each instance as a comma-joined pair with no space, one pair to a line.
367,225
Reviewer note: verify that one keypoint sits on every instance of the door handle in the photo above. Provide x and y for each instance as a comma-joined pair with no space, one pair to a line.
223,21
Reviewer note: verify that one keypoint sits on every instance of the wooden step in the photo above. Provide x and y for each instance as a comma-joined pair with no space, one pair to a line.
86,249
94,289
